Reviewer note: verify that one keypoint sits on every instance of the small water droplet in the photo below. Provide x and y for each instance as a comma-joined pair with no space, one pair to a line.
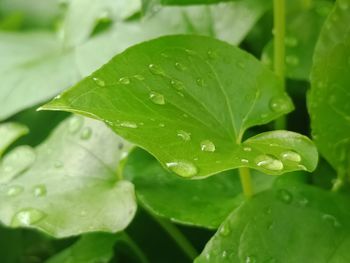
27,217
279,104
225,230
186,136
139,77
177,84
212,54
156,70
162,125
14,190
285,196
180,66
157,98
269,162
39,190
247,149
208,146
200,82
124,81
224,254
244,161
250,259
291,41
75,124
128,124
292,60
183,168
86,133
291,156
99,82
331,219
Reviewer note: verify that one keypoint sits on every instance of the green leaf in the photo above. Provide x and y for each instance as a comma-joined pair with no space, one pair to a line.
177,97
302,224
70,178
328,100
300,44
10,132
90,248
33,68
204,202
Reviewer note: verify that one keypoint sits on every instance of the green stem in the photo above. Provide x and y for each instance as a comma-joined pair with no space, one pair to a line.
177,236
246,181
135,248
279,18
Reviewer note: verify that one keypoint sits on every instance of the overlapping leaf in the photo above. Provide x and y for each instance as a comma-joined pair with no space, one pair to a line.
188,101
68,185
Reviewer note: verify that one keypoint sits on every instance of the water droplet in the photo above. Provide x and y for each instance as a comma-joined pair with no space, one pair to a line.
244,161
292,60
207,146
225,230
180,66
99,82
224,254
186,136
291,156
250,259
177,84
156,70
302,167
285,196
212,54
200,82
14,190
303,201
75,124
27,217
291,41
268,162
86,133
157,98
247,149
128,124
124,81
39,190
279,104
139,77
162,125
183,168
331,219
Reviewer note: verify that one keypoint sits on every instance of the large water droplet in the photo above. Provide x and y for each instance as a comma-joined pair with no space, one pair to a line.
186,136
208,146
75,124
180,66
291,156
279,104
157,98
99,82
27,217
183,168
331,219
86,133
285,196
225,230
124,81
177,84
39,190
155,69
292,60
14,190
128,124
268,162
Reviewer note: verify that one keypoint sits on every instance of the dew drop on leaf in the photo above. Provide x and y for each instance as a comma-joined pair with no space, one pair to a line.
128,124
14,190
200,82
292,60
139,77
208,146
225,230
180,66
279,104
27,217
177,84
212,54
99,82
162,125
75,124
186,136
250,259
268,162
331,219
156,70
124,81
244,161
224,254
183,168
86,133
39,190
285,196
291,156
157,98
247,149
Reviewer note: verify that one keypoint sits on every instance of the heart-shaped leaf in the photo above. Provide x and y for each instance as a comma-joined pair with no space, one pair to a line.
301,224
188,101
68,185
203,203
328,101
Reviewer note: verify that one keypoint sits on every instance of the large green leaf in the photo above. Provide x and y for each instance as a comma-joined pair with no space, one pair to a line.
300,44
68,185
90,248
33,68
188,101
195,202
329,97
10,132
302,224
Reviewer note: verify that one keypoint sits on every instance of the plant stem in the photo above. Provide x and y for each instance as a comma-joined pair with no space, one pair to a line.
135,248
246,181
279,18
178,237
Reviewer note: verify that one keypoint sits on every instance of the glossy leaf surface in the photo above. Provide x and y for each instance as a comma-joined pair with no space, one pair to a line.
10,132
